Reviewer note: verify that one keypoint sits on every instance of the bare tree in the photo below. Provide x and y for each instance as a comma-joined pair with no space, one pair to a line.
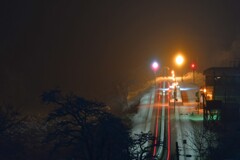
142,146
83,129
31,133
10,120
202,141
9,117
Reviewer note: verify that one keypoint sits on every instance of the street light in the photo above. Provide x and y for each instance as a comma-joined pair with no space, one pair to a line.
155,67
179,60
204,96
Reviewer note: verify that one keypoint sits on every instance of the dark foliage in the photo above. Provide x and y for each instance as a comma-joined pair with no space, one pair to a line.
10,119
76,129
83,129
142,145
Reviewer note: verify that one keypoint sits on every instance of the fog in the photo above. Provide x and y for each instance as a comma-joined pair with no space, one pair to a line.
89,47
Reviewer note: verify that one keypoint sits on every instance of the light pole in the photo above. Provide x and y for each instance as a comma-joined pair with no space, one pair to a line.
174,89
204,96
179,60
193,66
155,67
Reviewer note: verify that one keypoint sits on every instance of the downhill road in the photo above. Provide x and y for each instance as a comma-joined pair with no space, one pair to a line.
167,123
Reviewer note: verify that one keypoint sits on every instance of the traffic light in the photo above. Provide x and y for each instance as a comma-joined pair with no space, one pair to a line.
193,66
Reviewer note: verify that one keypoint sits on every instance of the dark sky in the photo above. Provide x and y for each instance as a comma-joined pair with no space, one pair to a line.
89,46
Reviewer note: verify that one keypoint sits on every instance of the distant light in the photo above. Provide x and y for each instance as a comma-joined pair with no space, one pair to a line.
193,66
179,59
204,90
155,66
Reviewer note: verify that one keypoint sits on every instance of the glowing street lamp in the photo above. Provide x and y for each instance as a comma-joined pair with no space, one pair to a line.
155,67
179,60
204,96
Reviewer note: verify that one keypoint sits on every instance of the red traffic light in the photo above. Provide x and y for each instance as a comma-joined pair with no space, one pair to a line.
193,66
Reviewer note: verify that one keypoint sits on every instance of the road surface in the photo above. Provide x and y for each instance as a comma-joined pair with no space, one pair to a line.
167,123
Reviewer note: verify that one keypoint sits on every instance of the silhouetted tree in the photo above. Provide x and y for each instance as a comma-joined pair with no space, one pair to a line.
83,129
9,117
202,141
142,145
31,134
10,120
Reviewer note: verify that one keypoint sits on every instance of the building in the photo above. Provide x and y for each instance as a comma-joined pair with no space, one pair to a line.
223,83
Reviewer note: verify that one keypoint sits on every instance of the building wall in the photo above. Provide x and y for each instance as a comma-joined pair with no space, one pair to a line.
223,84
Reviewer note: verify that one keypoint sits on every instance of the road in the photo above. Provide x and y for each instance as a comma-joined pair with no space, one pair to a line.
168,123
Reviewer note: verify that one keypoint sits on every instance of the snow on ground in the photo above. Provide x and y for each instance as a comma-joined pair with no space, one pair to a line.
185,114
141,121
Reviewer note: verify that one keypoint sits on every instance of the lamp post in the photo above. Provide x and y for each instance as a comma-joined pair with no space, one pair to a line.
155,67
193,66
174,89
179,60
204,96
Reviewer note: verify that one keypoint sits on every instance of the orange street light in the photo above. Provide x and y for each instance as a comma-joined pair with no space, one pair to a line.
179,60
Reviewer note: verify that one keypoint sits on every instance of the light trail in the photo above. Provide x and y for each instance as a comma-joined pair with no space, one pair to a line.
160,133
169,135
162,130
156,129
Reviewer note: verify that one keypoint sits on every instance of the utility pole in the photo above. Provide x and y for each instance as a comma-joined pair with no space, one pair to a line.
193,66
177,151
175,96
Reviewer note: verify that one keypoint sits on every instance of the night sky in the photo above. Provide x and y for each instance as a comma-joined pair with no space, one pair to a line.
89,46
